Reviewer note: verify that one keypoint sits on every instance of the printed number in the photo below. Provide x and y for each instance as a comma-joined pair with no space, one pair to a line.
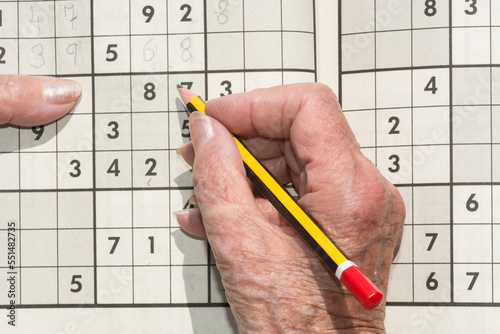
77,171
74,281
187,84
149,12
471,10
472,205
394,130
114,128
115,243
113,169
151,171
149,91
432,283
38,130
2,54
1,18
185,126
112,54
431,86
433,237
151,244
430,8
395,163
227,87
186,17
474,278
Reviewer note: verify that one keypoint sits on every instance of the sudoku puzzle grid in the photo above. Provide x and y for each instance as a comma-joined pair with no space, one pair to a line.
421,88
86,202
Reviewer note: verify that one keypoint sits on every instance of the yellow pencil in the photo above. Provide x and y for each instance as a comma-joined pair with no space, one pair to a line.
346,271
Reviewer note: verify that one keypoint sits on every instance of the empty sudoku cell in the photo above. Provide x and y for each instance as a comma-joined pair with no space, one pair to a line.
149,131
472,283
9,166
114,247
495,152
358,52
393,15
180,172
431,205
471,13
9,59
495,84
471,124
186,52
74,170
39,210
430,47
471,46
73,55
496,283
471,86
496,236
224,15
38,286
225,51
37,56
112,94
472,163
262,15
74,133
9,138
38,170
495,45
189,284
151,246
472,204
113,132
222,84
72,18
431,126
38,138
9,208
400,287
39,248
387,55
293,77
393,89
186,249
113,209
358,91
472,243
36,19
149,93
75,247
113,169
495,13
114,285
358,16
194,82
9,22
185,18
431,164
395,163
70,202
149,53
254,80
263,50
178,129
430,14
148,17
295,15
179,199
217,294
112,54
405,253
431,87
431,283
394,127
110,17
151,208
431,243
298,50
150,168
152,285
76,285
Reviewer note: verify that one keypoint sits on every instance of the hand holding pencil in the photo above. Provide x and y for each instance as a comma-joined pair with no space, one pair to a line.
272,279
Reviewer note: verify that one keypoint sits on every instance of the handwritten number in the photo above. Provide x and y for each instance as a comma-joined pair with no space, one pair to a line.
186,17
149,12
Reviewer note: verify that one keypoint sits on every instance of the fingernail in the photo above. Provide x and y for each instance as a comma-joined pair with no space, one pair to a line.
61,91
179,150
180,212
201,128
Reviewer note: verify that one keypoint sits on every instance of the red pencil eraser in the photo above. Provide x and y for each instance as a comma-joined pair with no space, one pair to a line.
361,287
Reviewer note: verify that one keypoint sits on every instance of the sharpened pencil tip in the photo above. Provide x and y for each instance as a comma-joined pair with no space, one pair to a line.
179,86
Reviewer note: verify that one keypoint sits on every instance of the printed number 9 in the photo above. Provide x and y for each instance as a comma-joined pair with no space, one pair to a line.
149,12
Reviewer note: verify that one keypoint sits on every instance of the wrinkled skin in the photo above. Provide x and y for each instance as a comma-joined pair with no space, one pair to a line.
273,281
